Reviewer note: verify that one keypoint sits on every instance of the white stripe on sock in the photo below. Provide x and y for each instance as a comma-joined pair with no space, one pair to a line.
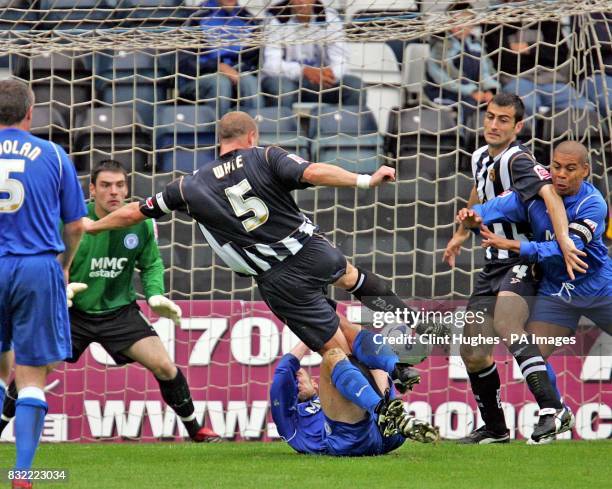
188,418
32,393
530,361
358,285
537,368
488,372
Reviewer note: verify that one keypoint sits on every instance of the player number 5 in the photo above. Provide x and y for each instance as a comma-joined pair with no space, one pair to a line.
14,188
243,206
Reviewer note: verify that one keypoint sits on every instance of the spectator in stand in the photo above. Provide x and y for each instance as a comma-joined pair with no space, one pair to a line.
459,69
534,62
228,73
308,72
598,84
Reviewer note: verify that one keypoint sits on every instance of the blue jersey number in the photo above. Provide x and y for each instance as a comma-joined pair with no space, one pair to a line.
14,188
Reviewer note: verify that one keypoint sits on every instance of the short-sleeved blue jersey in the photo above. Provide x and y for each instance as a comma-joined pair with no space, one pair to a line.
38,188
586,213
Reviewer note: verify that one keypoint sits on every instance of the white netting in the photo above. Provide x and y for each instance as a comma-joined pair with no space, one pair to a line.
124,79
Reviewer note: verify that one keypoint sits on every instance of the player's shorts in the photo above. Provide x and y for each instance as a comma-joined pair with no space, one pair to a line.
5,346
557,310
33,311
115,331
358,439
513,276
295,291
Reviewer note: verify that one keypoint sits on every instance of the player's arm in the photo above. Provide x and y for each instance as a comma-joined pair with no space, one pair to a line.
567,245
284,395
507,207
72,211
530,179
322,174
155,207
151,268
587,226
461,234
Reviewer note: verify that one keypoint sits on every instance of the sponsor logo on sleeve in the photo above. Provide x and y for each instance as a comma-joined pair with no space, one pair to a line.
541,172
297,159
149,203
591,224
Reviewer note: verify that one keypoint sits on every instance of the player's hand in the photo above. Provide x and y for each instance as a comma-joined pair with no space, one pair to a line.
166,308
73,289
229,72
453,248
492,240
469,218
572,255
382,175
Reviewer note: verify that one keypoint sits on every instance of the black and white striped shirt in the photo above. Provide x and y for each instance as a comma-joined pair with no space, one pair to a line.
243,205
514,168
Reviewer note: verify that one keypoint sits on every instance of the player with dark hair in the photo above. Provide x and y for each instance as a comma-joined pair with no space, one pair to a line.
243,205
561,300
504,285
315,418
105,309
38,188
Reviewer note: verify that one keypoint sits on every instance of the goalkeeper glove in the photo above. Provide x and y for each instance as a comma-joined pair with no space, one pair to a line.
166,308
73,289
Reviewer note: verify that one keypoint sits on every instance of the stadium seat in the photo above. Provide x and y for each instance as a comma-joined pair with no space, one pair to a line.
424,140
103,133
16,16
184,137
347,137
150,13
48,123
375,64
132,79
75,14
280,126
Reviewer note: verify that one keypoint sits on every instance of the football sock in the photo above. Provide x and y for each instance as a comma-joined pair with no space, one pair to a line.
374,293
552,376
8,410
373,355
486,388
535,372
31,408
353,386
177,395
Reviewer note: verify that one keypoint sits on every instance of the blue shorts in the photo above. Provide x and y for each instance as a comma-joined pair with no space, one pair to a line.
33,311
555,310
359,439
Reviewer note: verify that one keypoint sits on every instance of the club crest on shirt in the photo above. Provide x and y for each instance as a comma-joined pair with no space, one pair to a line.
130,241
492,174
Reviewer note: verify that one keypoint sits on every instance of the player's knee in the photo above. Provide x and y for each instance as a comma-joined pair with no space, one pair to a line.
164,369
475,358
332,356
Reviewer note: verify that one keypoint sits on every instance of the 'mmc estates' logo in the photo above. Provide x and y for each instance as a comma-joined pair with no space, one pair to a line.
106,267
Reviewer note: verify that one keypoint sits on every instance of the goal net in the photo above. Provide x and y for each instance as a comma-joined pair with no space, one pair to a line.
140,81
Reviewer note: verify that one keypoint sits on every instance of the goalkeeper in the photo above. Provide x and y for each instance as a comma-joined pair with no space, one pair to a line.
105,309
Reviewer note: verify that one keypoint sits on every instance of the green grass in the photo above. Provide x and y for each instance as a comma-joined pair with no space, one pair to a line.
572,465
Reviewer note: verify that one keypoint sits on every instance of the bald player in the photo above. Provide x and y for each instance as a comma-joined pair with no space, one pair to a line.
561,300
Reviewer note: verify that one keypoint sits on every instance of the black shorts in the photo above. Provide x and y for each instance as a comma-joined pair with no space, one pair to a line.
516,276
115,331
296,291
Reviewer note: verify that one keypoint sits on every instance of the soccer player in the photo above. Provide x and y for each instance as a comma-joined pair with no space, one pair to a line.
105,310
503,284
244,207
314,418
561,300
38,188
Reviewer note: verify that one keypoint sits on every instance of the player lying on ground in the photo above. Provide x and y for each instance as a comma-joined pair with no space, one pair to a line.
245,210
38,187
501,286
560,301
105,310
314,418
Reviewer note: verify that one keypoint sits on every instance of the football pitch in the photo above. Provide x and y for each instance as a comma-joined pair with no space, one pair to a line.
274,465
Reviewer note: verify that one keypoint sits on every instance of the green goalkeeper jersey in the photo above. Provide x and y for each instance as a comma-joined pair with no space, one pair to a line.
106,263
